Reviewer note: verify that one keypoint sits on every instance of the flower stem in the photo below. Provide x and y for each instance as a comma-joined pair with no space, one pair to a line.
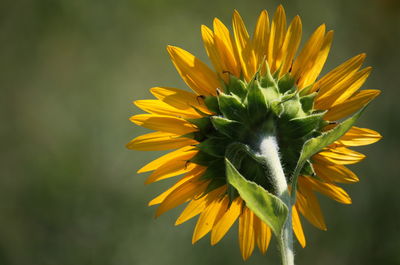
269,149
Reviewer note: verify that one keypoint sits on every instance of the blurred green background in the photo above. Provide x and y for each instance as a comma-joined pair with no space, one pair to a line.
69,193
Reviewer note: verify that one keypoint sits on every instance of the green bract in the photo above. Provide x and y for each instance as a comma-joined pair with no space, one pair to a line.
244,114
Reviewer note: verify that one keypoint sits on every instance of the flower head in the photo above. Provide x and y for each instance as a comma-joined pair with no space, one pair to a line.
260,85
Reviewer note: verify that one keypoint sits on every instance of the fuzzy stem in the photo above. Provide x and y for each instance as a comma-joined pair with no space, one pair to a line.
270,151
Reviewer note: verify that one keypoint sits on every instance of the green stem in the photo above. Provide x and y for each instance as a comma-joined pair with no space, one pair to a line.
286,240
270,151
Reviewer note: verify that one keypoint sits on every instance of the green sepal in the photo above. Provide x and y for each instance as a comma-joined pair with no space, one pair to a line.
314,145
292,108
198,136
214,170
307,102
273,99
305,91
286,83
270,90
200,112
287,96
215,184
271,94
203,159
236,86
232,129
232,107
212,104
267,79
214,146
277,108
265,205
256,103
203,124
276,74
299,127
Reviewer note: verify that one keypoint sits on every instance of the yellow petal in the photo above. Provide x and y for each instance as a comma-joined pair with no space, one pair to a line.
308,204
338,74
359,136
354,103
244,46
180,99
339,156
158,141
226,221
290,45
276,38
260,37
311,75
246,233
197,205
161,108
194,72
343,89
226,47
335,173
309,53
167,158
330,190
356,82
207,219
262,234
164,123
176,168
297,227
212,51
182,194
194,174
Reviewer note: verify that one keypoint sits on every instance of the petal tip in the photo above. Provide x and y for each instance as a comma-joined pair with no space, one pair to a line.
362,56
171,49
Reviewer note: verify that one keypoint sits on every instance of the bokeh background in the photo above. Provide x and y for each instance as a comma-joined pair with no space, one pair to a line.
69,70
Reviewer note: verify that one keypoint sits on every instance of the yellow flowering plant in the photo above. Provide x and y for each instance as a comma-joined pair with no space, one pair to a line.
259,135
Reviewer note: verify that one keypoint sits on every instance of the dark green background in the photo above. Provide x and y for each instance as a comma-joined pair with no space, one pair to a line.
68,189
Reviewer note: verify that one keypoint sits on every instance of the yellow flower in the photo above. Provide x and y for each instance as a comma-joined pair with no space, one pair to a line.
175,115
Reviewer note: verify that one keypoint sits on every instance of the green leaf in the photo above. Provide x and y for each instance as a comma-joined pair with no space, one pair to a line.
265,205
308,169
236,151
316,144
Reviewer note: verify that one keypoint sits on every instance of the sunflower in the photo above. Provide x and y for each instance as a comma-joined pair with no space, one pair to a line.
224,108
